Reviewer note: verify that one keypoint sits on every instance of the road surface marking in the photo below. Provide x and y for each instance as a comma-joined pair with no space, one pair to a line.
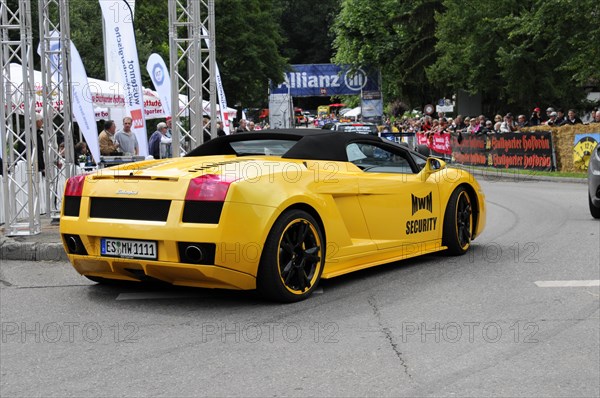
582,283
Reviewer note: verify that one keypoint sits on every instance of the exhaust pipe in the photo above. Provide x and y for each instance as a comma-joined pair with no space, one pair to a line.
194,254
73,244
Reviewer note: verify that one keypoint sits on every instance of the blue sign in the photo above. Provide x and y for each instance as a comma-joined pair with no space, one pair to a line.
159,74
314,80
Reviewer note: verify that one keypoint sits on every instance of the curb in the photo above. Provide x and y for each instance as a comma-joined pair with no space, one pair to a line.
31,251
502,175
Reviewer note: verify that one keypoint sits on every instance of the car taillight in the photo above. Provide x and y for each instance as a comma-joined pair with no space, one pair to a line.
75,186
209,187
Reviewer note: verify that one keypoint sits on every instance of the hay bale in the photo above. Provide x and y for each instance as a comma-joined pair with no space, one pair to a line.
563,139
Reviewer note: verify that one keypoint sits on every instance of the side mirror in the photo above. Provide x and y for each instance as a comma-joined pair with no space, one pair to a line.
432,165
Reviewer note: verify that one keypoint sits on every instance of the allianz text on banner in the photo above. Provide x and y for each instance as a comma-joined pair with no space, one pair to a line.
118,22
327,80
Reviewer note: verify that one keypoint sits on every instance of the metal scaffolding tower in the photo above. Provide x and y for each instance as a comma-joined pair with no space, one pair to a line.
55,46
18,149
191,28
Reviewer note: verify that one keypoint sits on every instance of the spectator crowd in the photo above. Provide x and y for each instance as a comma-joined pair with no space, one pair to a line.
482,125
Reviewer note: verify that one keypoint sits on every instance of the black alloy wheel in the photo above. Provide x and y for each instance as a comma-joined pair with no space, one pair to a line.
293,258
458,222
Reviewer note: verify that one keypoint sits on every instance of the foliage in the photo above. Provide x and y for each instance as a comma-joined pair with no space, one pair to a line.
248,39
518,53
395,35
306,30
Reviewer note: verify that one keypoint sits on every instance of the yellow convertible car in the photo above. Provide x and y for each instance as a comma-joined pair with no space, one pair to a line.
274,211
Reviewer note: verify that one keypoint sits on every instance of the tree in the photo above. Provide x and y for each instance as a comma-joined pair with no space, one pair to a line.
248,38
395,35
306,30
517,53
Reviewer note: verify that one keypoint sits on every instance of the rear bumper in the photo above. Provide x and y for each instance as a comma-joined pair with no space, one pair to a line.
206,276
237,239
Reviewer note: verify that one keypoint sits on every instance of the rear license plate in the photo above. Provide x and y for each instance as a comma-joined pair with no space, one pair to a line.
126,248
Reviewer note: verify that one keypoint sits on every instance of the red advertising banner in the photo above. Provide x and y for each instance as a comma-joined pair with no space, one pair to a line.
438,143
422,139
507,150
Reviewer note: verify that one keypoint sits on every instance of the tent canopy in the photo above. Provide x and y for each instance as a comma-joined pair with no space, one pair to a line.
354,112
103,95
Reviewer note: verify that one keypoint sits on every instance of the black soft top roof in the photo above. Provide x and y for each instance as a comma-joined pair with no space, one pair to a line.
311,144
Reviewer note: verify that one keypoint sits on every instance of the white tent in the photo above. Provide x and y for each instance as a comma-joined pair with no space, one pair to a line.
103,94
353,112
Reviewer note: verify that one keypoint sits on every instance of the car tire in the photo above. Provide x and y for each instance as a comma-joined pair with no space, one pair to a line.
458,223
594,211
293,258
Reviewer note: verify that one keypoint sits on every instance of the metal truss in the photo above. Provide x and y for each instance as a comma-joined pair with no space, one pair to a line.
55,46
21,179
192,66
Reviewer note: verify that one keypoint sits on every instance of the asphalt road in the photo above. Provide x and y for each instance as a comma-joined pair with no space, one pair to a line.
476,325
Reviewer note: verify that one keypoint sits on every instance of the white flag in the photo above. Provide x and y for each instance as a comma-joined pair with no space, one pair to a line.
159,73
118,21
83,109
220,92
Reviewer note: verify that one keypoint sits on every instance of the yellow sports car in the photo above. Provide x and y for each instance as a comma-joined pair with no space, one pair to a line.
274,211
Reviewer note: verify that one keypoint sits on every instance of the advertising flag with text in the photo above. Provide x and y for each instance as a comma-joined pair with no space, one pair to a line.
118,22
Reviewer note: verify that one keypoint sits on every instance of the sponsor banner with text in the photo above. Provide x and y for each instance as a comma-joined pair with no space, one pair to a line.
314,80
517,150
118,22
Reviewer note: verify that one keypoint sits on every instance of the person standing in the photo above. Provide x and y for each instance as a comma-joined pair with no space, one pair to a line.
39,126
572,118
159,145
536,117
126,139
507,126
106,140
220,131
242,128
522,122
561,119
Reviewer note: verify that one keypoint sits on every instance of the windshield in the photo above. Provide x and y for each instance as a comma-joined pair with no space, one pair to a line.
262,147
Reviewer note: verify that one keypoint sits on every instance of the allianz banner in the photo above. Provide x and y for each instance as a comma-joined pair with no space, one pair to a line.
531,151
328,80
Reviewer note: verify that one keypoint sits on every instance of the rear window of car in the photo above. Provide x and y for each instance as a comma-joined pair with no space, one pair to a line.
358,128
262,147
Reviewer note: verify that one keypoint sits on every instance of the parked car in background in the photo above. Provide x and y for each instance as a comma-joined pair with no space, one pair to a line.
353,127
299,116
594,182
